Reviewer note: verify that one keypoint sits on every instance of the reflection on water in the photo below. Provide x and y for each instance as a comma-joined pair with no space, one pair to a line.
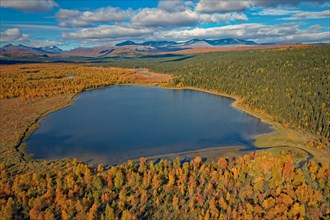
114,124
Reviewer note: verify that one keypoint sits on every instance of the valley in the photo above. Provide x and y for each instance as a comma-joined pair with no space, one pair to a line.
296,157
167,109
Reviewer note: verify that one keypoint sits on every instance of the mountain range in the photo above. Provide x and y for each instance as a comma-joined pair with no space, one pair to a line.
26,49
126,47
220,42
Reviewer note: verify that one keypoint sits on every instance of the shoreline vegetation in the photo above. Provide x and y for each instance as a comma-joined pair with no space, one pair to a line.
21,111
281,137
275,142
288,85
286,183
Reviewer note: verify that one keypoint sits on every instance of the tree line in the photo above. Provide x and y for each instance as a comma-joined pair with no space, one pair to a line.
44,80
291,86
255,186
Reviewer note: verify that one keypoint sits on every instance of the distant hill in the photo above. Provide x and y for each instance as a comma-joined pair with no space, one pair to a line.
31,50
220,42
126,48
149,43
52,50
89,51
230,41
126,43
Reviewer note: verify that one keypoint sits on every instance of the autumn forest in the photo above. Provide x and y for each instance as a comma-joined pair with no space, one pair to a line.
289,88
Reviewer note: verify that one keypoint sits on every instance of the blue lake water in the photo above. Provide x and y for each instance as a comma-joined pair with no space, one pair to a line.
114,124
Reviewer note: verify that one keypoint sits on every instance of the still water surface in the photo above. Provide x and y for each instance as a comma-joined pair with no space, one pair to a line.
117,123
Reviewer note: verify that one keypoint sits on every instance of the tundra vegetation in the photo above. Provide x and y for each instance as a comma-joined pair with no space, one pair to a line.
290,86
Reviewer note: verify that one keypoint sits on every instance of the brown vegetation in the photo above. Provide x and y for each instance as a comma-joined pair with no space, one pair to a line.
28,92
44,80
255,186
17,116
251,187
238,48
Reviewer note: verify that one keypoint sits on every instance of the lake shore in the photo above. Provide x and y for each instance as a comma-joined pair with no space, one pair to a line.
278,140
22,110
281,138
212,153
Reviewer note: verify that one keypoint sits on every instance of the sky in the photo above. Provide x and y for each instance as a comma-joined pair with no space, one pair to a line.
73,23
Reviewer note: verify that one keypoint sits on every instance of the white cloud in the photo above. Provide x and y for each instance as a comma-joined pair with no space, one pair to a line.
175,5
34,26
107,31
223,17
154,17
315,28
70,18
29,5
168,14
207,6
277,2
261,33
309,15
270,3
47,43
299,37
13,35
235,31
161,24
76,18
170,20
276,12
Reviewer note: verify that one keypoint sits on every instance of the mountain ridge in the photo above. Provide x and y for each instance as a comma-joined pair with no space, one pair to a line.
218,42
128,47
10,48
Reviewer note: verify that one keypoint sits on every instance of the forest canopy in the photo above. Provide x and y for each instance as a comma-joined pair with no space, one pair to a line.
250,187
289,85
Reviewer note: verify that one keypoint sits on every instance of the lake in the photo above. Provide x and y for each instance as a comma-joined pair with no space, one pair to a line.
114,124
